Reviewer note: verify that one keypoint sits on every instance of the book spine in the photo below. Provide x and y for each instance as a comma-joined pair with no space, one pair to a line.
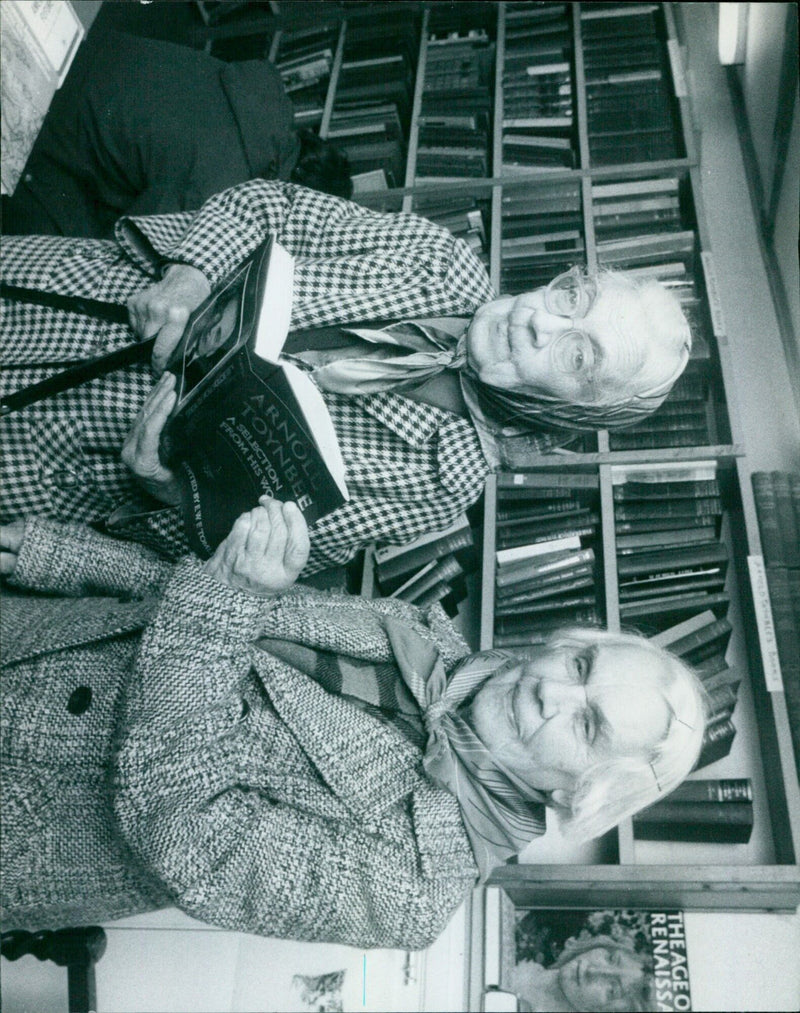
409,561
731,789
717,742
767,513
787,524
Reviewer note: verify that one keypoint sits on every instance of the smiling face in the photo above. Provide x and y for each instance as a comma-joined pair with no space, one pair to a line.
585,350
565,708
602,979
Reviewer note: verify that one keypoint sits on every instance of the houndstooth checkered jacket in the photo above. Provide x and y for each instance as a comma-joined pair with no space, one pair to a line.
187,767
410,467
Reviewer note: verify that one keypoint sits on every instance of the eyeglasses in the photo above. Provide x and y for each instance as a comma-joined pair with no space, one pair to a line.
571,294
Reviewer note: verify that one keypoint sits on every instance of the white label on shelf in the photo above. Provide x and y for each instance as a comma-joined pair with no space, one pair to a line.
766,628
714,302
676,63
491,937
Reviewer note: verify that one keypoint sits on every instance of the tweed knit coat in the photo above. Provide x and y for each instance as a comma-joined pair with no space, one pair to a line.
152,756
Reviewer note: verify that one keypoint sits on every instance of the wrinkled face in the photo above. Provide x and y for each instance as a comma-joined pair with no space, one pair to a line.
575,339
601,979
565,708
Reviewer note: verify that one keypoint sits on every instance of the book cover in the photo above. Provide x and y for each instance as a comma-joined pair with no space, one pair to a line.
674,560
547,480
557,959
710,822
509,577
583,526
644,541
245,424
541,587
388,567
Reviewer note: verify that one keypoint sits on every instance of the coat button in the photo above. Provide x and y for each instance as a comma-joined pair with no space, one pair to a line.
65,480
244,709
79,700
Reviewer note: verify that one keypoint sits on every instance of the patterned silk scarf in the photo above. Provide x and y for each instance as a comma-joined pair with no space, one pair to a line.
501,813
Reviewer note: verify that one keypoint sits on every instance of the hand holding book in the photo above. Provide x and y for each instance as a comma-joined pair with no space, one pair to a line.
140,449
162,310
265,550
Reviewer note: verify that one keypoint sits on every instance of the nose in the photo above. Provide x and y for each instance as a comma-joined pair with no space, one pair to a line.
548,326
559,697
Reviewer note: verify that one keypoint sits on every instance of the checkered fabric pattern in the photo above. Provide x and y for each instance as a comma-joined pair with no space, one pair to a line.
410,467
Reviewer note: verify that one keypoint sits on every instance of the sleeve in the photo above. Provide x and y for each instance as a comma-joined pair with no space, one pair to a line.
227,851
74,560
351,263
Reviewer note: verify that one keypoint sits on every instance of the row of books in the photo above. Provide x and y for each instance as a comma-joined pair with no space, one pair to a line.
630,102
546,554
777,498
538,115
371,113
542,234
465,216
432,568
670,560
702,641
305,59
454,136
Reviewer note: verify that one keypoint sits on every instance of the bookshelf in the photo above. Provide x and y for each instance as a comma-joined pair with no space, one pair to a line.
642,211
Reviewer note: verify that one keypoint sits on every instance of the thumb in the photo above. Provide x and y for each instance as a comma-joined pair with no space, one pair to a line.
298,543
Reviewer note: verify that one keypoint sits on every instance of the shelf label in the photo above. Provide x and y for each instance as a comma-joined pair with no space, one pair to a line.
766,628
714,301
676,63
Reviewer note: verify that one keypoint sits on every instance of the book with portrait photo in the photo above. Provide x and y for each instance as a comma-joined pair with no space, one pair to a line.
607,959
244,423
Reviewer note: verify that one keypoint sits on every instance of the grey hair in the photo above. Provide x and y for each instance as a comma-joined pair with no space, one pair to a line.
612,790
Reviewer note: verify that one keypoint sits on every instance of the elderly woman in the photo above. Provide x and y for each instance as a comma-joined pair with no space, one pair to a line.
598,975
291,762
417,431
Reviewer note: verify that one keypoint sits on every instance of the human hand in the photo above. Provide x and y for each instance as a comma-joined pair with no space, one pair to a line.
161,311
140,449
11,536
265,551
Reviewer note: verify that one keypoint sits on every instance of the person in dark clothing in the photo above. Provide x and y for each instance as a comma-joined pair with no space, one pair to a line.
144,127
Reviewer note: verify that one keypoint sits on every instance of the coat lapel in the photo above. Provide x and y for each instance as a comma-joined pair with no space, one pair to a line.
31,626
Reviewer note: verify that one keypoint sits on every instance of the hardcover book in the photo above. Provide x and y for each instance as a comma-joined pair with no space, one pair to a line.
245,423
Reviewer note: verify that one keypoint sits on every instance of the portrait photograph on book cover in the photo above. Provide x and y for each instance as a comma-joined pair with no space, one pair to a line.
594,960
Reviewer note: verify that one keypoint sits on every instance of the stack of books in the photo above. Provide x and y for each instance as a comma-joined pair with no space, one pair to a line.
545,558
432,568
702,642
463,215
631,107
372,107
670,561
456,101
538,115
777,496
304,59
681,421
715,811
542,229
